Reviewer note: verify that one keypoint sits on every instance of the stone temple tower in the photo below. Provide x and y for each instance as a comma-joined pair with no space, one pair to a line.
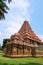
24,43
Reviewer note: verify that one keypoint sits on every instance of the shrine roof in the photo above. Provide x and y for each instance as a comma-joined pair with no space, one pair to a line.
27,32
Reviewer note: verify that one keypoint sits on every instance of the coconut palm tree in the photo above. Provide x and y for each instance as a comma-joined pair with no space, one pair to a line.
3,8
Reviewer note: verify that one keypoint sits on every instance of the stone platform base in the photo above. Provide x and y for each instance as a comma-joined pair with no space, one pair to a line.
17,56
39,55
21,56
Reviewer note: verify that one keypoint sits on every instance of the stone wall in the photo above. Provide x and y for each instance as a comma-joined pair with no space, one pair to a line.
39,51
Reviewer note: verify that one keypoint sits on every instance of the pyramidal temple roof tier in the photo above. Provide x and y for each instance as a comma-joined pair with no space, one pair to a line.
27,32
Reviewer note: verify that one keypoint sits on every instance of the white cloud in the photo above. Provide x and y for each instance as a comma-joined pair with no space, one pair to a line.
0,34
1,37
20,7
19,4
14,25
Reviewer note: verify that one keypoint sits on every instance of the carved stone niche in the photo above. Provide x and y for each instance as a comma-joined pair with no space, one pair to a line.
20,50
35,43
27,40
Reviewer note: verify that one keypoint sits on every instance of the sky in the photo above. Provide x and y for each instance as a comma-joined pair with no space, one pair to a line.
21,10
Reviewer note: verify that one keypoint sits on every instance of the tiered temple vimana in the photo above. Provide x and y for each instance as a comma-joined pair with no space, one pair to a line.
25,43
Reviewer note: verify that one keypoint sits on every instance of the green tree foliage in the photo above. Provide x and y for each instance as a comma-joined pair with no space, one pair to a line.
3,8
5,42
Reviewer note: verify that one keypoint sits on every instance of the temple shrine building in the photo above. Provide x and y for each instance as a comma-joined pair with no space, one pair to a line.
25,43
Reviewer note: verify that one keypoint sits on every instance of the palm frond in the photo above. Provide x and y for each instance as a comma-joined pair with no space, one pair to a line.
3,9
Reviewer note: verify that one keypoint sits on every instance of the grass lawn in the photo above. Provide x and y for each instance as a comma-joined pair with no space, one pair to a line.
20,61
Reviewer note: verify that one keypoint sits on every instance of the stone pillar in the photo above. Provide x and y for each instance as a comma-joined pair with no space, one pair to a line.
33,51
29,51
14,49
8,50
23,49
20,50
